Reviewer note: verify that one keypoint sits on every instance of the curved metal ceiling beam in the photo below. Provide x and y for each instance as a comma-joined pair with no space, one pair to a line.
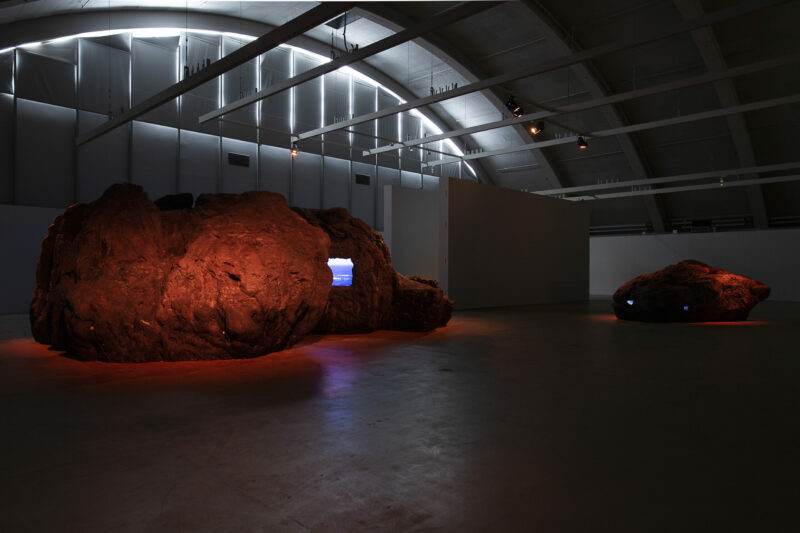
547,26
381,13
708,46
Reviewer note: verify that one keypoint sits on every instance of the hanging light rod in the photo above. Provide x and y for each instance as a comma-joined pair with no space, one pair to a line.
332,143
672,179
603,101
321,141
461,11
297,26
744,108
687,188
554,64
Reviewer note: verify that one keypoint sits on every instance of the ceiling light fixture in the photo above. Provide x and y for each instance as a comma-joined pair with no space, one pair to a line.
536,128
295,150
582,144
512,106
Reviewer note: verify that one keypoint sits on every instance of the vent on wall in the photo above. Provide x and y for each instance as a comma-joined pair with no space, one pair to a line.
239,160
362,179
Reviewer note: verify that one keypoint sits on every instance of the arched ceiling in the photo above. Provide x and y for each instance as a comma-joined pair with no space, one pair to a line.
511,35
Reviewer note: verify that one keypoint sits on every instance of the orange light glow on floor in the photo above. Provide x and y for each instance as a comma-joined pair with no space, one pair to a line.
610,318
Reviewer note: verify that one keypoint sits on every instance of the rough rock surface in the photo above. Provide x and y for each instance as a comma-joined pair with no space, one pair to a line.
365,305
379,297
120,280
419,305
689,291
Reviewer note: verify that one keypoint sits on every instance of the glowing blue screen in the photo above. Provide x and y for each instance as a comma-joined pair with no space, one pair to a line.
342,269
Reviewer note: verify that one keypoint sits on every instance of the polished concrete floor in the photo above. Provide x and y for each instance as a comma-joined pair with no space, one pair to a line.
543,418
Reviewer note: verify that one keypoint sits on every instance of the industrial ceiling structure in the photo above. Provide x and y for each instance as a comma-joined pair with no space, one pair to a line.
665,115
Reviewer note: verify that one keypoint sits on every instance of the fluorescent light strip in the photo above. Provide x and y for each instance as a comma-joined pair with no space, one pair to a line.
174,32
350,106
257,64
291,92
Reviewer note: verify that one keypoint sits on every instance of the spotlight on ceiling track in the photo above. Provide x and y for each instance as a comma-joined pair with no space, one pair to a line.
512,106
295,150
582,144
536,128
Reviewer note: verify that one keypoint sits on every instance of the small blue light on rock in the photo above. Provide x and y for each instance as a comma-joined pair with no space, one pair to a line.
685,307
630,302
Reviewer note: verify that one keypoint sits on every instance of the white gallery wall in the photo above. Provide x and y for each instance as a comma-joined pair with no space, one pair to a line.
770,256
503,247
411,230
22,230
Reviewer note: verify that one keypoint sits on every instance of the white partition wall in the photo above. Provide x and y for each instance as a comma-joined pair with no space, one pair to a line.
154,159
199,163
386,176
503,247
337,189
306,180
45,155
22,229
411,229
6,149
275,169
103,161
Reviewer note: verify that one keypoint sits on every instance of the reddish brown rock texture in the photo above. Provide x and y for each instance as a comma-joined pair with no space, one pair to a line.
419,305
689,291
366,304
235,276
119,280
379,297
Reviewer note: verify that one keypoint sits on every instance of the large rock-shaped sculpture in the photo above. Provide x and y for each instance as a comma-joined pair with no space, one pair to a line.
239,276
689,291
379,297
126,279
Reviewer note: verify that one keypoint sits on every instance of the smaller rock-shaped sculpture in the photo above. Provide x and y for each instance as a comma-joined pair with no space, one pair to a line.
689,291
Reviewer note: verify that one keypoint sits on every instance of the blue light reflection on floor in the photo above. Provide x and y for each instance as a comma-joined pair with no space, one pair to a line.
342,269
